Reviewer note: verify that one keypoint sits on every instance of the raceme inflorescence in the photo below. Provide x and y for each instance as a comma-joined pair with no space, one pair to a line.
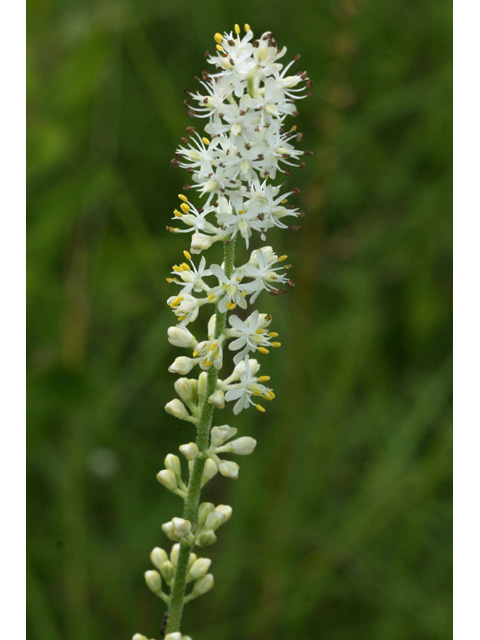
237,169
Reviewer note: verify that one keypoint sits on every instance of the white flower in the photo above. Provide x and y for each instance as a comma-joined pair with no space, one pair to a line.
185,307
247,387
249,335
231,290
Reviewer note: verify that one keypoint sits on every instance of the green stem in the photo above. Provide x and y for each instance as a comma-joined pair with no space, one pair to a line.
192,499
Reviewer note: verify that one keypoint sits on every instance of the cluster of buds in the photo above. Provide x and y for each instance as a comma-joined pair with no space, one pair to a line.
245,148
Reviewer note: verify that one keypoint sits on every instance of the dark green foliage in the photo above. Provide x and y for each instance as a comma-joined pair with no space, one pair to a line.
341,525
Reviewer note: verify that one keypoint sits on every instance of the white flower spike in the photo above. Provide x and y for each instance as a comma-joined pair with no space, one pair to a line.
238,194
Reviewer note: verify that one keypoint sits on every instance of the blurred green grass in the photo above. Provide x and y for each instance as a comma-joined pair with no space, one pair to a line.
341,524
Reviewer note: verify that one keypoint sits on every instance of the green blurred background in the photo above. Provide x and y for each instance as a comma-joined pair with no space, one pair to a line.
341,526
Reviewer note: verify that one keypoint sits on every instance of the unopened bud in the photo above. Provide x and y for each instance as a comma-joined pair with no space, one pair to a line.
204,510
202,384
181,337
241,446
219,435
177,528
168,571
154,582
185,389
200,242
218,399
209,471
158,556
167,478
203,585
229,469
199,568
206,538
172,462
182,365
190,450
177,409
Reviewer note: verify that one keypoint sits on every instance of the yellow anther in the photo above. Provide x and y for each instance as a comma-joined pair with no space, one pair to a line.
240,212
269,395
178,213
169,280
211,297
207,363
276,344
273,334
246,27
244,294
224,287
182,197
187,255
260,408
263,350
237,29
213,346
294,128
264,378
206,141
284,201
182,317
176,301
219,47
196,353
268,317
173,229
282,258
177,268
259,331
218,38
185,207
257,392
185,266
238,279
231,306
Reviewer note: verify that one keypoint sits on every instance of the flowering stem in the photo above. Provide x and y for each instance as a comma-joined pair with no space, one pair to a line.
192,498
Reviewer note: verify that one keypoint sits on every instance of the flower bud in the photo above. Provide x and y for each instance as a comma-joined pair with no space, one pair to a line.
182,365
241,446
177,528
154,582
158,556
200,242
199,568
204,510
190,450
229,469
177,409
214,521
174,554
218,399
202,384
172,462
202,585
167,478
219,435
226,511
138,636
209,471
168,571
211,327
181,337
185,389
206,538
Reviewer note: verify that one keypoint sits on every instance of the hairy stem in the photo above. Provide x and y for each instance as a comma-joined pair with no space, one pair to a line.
192,498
